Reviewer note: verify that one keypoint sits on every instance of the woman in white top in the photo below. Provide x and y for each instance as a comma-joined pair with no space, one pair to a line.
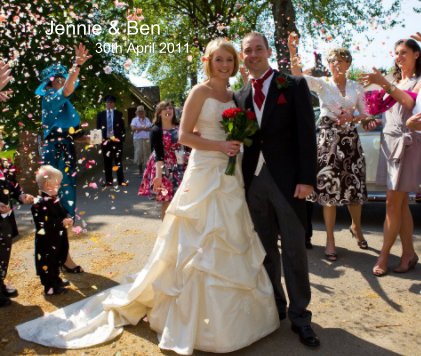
341,171
141,127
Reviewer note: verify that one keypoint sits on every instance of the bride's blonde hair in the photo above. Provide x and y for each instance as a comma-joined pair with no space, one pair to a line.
210,50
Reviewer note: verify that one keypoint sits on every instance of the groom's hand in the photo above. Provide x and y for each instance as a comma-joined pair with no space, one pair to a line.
302,191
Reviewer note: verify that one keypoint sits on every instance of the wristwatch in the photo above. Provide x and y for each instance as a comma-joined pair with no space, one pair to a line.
391,88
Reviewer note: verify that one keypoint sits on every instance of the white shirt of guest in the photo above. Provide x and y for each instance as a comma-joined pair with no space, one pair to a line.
259,114
139,123
331,100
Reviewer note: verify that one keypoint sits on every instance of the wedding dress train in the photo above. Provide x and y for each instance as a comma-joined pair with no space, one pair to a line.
204,286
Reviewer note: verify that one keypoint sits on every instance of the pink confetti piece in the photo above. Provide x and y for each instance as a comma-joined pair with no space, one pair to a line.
77,229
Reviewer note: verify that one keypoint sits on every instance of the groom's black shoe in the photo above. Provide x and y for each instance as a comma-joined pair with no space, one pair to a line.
307,336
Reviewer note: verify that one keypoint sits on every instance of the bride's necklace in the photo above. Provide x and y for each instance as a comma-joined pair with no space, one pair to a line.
221,95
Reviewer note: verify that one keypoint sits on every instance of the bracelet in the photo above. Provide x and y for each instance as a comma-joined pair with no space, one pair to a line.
391,88
75,65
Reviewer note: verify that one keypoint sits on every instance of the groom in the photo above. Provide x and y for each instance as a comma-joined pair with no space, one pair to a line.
279,172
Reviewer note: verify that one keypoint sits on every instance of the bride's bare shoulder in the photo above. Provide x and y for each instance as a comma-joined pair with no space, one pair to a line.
200,92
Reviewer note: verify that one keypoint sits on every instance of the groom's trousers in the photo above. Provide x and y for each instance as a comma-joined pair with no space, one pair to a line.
273,216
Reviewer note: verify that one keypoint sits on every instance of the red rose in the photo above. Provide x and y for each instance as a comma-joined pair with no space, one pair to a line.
250,115
281,99
231,113
281,80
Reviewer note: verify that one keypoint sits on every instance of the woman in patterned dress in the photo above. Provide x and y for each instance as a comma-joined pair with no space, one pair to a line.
400,154
341,171
165,168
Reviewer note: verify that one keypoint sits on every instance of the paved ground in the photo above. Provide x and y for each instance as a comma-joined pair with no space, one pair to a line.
354,312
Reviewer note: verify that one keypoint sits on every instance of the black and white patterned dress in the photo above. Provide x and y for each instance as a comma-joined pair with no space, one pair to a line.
340,158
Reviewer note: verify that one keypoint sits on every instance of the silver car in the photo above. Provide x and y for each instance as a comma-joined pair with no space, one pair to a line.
370,140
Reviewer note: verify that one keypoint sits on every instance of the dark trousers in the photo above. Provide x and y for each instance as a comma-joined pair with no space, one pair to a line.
309,226
50,253
113,156
6,233
273,216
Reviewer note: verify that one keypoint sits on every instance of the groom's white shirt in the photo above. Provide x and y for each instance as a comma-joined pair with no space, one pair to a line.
259,114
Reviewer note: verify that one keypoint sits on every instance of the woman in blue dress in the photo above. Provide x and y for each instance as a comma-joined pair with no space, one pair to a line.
61,124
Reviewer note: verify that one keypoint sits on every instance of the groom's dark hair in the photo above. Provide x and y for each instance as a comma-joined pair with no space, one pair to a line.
253,34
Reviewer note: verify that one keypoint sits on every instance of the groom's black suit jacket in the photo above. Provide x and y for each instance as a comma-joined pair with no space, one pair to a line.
286,137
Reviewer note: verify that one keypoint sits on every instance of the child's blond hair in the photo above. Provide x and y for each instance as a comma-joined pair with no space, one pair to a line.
47,173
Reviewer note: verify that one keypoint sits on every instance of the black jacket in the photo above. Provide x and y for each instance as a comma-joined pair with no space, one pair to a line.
118,125
287,135
51,241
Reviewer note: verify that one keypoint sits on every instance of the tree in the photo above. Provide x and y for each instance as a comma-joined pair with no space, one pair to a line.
196,23
29,49
327,19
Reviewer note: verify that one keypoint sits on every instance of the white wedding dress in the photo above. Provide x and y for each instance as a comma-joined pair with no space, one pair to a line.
204,286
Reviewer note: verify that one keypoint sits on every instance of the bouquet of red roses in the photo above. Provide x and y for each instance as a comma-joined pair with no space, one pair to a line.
239,125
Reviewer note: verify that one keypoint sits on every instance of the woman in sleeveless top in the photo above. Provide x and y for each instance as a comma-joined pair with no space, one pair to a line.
400,154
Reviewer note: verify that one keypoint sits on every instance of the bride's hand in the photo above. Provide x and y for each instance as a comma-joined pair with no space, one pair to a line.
230,148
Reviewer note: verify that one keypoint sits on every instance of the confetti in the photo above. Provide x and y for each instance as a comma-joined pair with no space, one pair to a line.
108,70
77,229
93,185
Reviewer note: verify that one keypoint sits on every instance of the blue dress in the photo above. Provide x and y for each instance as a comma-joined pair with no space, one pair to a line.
58,117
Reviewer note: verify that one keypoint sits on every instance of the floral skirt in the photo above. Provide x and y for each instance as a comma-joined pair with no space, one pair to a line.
172,176
341,166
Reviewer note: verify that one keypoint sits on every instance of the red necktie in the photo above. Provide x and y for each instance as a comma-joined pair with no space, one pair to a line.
259,97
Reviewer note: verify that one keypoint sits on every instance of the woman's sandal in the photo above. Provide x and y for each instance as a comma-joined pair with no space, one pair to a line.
379,272
361,244
332,257
76,269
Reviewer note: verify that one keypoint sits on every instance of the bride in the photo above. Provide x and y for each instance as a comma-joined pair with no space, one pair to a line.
204,286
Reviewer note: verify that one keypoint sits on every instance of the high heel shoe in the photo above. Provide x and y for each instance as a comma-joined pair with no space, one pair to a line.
411,265
76,269
362,244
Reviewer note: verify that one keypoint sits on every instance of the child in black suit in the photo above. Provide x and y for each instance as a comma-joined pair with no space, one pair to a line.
8,190
51,223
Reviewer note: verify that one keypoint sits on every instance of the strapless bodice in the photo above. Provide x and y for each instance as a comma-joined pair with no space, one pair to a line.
208,123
